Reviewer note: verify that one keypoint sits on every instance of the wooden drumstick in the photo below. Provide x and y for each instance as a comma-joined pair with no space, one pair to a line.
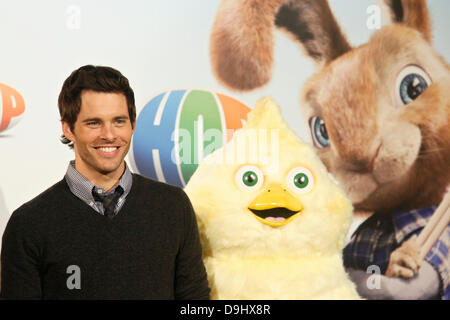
435,227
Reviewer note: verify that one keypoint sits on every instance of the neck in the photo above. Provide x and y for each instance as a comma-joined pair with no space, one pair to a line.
106,180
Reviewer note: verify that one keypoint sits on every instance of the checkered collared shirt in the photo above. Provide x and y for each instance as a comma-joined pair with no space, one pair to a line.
375,239
83,188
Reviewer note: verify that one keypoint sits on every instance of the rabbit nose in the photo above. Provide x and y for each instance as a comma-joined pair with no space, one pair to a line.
359,162
361,166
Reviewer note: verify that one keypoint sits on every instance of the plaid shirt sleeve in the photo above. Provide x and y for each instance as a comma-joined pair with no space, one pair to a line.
412,222
377,237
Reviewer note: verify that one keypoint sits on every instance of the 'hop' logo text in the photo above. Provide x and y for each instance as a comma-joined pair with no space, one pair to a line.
177,129
12,106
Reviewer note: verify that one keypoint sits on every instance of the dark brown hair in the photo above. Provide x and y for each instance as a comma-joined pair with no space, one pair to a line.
95,78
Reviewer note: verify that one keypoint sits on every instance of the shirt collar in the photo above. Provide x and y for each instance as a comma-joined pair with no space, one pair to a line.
82,187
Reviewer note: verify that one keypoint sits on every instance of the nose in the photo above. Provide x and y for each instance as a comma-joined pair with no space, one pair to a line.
108,132
359,160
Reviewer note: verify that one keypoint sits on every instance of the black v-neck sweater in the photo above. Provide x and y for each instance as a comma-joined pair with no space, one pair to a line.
149,250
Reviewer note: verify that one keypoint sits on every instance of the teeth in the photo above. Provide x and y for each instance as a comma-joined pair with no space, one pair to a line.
110,149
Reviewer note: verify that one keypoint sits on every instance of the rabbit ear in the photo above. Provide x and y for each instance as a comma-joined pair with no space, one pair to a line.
241,42
413,13
312,23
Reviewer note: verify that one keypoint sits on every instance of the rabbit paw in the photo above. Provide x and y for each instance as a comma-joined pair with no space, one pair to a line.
404,261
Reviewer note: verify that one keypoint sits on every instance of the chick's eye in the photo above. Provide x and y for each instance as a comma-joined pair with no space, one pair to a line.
249,178
319,132
411,82
300,180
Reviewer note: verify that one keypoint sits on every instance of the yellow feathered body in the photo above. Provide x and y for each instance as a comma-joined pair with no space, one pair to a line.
272,220
238,278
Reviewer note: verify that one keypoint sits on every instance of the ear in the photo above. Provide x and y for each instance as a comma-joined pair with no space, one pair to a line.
67,131
242,41
312,24
413,13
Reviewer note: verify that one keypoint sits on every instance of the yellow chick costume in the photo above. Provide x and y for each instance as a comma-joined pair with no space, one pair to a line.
272,220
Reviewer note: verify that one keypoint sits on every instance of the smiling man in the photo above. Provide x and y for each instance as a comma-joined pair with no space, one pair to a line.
102,232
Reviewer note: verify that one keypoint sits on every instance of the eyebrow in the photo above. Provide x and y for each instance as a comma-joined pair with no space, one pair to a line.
123,117
91,120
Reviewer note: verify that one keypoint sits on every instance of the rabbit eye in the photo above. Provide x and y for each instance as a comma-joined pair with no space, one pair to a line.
319,132
411,82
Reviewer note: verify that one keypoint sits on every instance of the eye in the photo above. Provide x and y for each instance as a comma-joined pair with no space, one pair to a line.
300,180
410,84
319,132
249,178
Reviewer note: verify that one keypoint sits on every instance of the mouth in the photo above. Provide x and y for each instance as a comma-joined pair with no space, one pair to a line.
107,151
275,217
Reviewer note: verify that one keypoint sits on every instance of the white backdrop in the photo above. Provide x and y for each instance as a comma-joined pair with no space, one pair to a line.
158,45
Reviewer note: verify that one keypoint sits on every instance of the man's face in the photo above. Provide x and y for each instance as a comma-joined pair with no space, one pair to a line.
101,134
